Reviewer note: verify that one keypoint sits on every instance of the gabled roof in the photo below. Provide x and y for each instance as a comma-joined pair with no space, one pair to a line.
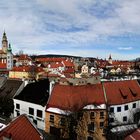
120,92
73,98
21,129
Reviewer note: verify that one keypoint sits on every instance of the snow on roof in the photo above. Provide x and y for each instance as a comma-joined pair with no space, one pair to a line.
58,111
2,126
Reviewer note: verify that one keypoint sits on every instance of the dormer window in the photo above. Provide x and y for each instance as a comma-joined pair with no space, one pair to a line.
123,94
133,92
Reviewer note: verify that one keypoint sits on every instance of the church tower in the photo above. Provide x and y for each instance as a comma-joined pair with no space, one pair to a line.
4,43
110,59
9,58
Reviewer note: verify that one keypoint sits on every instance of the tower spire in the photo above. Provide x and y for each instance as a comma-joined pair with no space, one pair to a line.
4,42
4,38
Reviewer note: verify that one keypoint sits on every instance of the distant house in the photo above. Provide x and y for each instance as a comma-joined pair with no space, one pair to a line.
85,101
23,60
32,101
25,72
20,128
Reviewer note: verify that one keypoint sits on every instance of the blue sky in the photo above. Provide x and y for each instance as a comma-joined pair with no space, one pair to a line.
95,28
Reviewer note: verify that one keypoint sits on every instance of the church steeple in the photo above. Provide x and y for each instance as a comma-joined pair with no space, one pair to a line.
110,59
4,43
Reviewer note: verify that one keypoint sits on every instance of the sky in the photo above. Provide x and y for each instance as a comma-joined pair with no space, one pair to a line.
88,28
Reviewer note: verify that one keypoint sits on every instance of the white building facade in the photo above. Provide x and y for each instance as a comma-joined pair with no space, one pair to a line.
35,112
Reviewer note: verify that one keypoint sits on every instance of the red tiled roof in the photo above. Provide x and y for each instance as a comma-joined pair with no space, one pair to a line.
24,57
69,97
120,92
20,129
134,136
68,75
68,63
23,68
73,98
3,66
50,59
56,65
39,69
69,70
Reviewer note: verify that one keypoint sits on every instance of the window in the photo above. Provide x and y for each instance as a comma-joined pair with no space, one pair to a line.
17,106
119,109
101,114
134,105
126,107
101,124
111,120
91,126
18,113
124,118
92,115
35,122
80,115
89,138
39,113
31,111
52,118
112,109
62,121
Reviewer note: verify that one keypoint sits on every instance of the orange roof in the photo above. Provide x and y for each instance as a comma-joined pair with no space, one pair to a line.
120,92
20,129
73,98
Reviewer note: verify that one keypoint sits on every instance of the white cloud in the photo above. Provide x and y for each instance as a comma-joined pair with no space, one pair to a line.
125,48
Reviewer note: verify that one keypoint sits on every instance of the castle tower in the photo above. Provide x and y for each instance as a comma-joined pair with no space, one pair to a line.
9,58
4,43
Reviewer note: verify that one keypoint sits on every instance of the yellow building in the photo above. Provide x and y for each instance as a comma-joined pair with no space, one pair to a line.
21,72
